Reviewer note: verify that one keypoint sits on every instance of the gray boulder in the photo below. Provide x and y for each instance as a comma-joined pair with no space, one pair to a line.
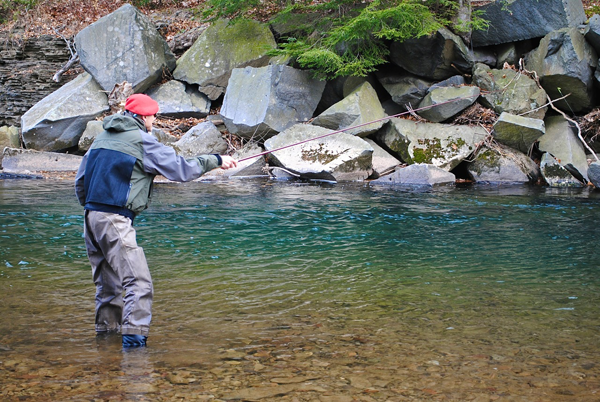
9,137
437,56
337,157
594,174
562,143
383,162
124,46
509,91
406,90
202,139
26,161
442,145
357,109
502,164
252,167
454,81
162,137
506,53
221,48
555,174
441,103
92,129
261,102
177,101
518,132
419,174
56,122
565,64
516,20
592,32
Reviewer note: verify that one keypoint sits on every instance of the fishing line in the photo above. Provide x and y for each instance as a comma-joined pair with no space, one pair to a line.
351,128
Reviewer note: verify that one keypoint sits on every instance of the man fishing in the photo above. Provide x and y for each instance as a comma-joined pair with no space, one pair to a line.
114,184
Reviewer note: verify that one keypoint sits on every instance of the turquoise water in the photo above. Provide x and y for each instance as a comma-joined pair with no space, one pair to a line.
346,291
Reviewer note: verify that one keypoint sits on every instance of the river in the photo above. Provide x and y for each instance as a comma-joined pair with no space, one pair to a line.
271,291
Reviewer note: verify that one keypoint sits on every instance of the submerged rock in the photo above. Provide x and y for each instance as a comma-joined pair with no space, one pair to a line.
419,174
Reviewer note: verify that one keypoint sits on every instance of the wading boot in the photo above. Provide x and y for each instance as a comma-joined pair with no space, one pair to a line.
134,341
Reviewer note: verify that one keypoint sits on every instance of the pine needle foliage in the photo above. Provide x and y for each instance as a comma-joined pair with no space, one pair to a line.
353,43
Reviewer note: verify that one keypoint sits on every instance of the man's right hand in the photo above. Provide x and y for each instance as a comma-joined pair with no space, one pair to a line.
227,162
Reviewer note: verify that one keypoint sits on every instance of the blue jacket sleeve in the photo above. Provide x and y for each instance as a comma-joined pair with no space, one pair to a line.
162,159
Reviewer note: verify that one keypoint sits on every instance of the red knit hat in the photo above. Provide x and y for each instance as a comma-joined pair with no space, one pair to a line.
142,105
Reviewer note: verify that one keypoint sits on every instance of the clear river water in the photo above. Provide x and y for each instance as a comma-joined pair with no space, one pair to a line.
279,291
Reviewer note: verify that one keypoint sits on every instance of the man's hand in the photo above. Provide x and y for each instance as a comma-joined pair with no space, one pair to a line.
227,162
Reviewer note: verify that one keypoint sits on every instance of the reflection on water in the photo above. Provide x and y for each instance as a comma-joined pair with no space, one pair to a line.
307,292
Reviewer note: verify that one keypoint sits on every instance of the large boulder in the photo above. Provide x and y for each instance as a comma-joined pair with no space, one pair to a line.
507,90
202,139
441,103
562,143
356,110
594,173
335,157
92,130
516,20
260,102
565,64
177,101
557,175
592,32
249,165
436,57
442,145
124,46
383,161
518,132
9,137
27,161
501,164
406,90
221,48
419,174
57,121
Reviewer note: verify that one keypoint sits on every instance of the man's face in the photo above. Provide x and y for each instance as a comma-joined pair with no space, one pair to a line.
148,121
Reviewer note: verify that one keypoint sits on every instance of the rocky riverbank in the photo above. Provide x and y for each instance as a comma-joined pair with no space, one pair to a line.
396,126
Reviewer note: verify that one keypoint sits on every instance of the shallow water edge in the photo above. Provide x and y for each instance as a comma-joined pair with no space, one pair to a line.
303,292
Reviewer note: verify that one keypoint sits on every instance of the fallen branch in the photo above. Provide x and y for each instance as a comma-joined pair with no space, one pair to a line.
551,103
72,60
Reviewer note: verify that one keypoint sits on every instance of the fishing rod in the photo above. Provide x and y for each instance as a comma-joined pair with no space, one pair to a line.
351,128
